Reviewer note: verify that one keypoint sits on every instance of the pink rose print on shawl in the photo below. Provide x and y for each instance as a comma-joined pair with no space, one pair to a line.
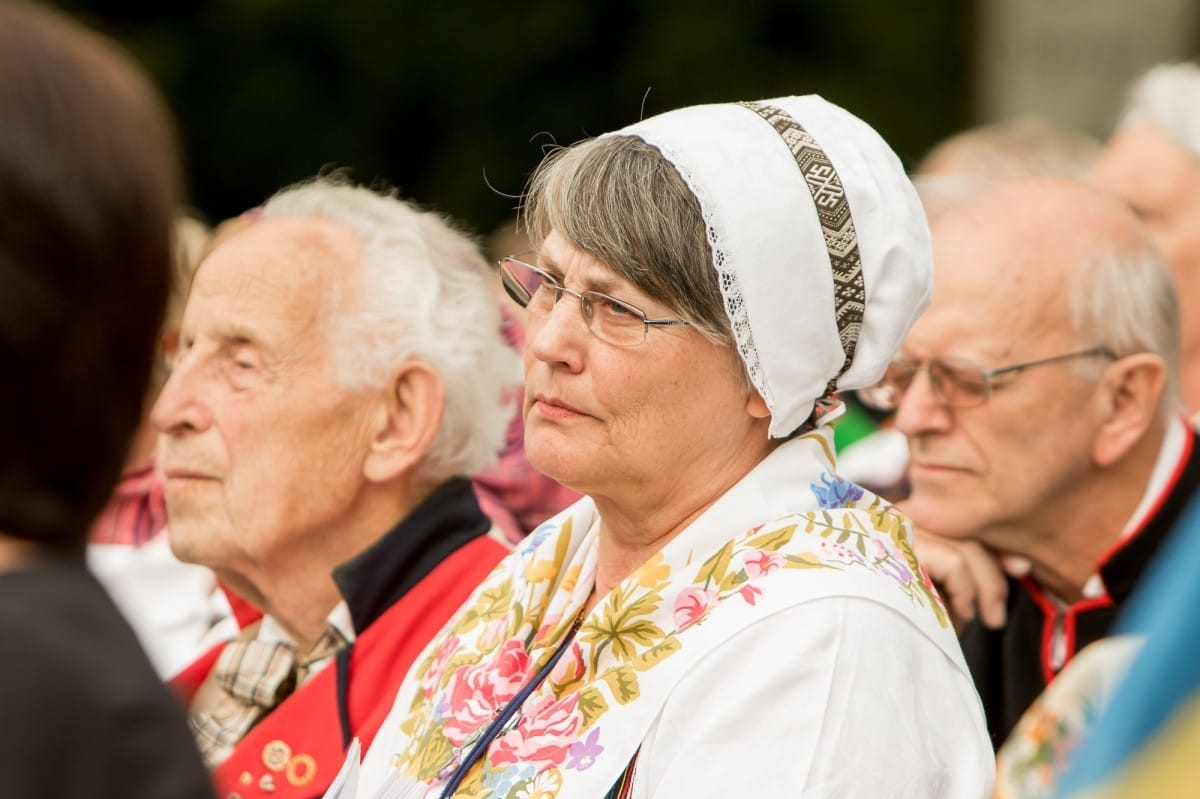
549,625
433,674
692,605
927,581
760,562
750,593
493,633
544,735
570,666
476,692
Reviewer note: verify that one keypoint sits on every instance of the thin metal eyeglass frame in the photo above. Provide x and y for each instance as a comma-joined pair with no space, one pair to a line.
521,295
988,375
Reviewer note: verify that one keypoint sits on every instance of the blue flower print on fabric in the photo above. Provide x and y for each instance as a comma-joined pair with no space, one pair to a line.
502,781
834,492
535,539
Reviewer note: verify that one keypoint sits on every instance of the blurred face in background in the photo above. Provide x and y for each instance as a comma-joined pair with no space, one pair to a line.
1160,181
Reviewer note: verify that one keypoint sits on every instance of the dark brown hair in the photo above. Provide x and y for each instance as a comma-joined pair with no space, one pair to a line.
89,185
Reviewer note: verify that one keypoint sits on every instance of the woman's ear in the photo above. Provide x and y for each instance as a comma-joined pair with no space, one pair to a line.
407,423
1132,388
756,406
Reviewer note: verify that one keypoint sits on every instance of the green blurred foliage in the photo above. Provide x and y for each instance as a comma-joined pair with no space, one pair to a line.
453,102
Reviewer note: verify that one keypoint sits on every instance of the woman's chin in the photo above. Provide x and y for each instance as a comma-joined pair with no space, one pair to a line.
561,464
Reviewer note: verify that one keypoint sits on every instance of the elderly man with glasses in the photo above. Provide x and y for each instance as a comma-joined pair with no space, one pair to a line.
1040,401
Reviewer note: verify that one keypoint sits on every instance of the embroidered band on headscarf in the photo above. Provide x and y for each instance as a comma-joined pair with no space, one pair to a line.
837,225
815,302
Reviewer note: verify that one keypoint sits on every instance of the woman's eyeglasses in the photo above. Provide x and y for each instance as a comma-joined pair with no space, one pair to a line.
609,319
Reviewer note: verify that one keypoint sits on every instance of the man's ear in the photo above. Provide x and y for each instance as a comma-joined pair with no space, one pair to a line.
1130,391
407,423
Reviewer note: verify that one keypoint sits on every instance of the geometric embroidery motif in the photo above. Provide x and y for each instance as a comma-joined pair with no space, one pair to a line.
837,226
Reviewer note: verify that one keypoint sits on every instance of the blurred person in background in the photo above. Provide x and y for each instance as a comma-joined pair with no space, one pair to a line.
89,184
720,614
1009,149
1039,398
340,373
1152,162
172,606
514,494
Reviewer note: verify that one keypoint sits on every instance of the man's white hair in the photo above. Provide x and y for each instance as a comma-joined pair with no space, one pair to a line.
424,295
1168,95
1123,298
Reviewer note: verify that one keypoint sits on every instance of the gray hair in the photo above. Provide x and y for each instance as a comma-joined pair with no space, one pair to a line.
618,199
1123,298
1168,95
423,295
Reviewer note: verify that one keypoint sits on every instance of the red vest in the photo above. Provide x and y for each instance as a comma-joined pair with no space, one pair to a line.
295,752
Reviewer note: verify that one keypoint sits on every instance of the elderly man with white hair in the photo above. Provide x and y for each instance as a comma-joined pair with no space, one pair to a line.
341,372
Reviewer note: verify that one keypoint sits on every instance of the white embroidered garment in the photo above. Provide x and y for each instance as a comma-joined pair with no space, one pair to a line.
784,644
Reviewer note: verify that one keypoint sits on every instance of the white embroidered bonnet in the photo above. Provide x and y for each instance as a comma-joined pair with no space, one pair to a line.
819,241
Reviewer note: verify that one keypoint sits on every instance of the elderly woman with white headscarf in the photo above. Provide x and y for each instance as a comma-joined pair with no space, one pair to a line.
722,614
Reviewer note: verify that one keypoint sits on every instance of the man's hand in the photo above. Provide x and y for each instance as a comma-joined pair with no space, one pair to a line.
970,577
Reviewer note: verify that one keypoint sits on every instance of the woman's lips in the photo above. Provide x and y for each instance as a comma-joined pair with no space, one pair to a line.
553,408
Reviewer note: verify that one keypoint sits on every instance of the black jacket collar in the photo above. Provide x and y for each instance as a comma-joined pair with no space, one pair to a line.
375,579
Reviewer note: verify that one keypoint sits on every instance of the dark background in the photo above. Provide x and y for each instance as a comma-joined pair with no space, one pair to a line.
432,96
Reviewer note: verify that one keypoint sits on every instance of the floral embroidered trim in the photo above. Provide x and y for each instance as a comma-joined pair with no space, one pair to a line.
508,634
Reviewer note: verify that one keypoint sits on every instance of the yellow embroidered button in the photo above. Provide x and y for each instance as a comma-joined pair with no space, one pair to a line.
301,770
276,754
267,784
246,778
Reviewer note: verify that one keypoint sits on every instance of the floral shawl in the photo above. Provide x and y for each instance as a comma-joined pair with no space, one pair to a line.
791,531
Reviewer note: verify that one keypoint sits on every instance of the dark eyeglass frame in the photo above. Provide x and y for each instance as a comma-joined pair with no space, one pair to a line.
521,295
888,393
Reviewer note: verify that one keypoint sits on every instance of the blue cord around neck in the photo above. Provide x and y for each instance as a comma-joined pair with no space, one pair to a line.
500,720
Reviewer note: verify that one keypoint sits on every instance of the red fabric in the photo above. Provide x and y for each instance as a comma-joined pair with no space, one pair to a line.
136,512
1153,511
1051,611
245,613
307,725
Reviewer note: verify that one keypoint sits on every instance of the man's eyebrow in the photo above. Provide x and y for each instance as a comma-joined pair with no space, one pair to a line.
234,333
234,336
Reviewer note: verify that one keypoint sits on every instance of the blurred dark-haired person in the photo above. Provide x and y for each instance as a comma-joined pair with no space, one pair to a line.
175,608
89,185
